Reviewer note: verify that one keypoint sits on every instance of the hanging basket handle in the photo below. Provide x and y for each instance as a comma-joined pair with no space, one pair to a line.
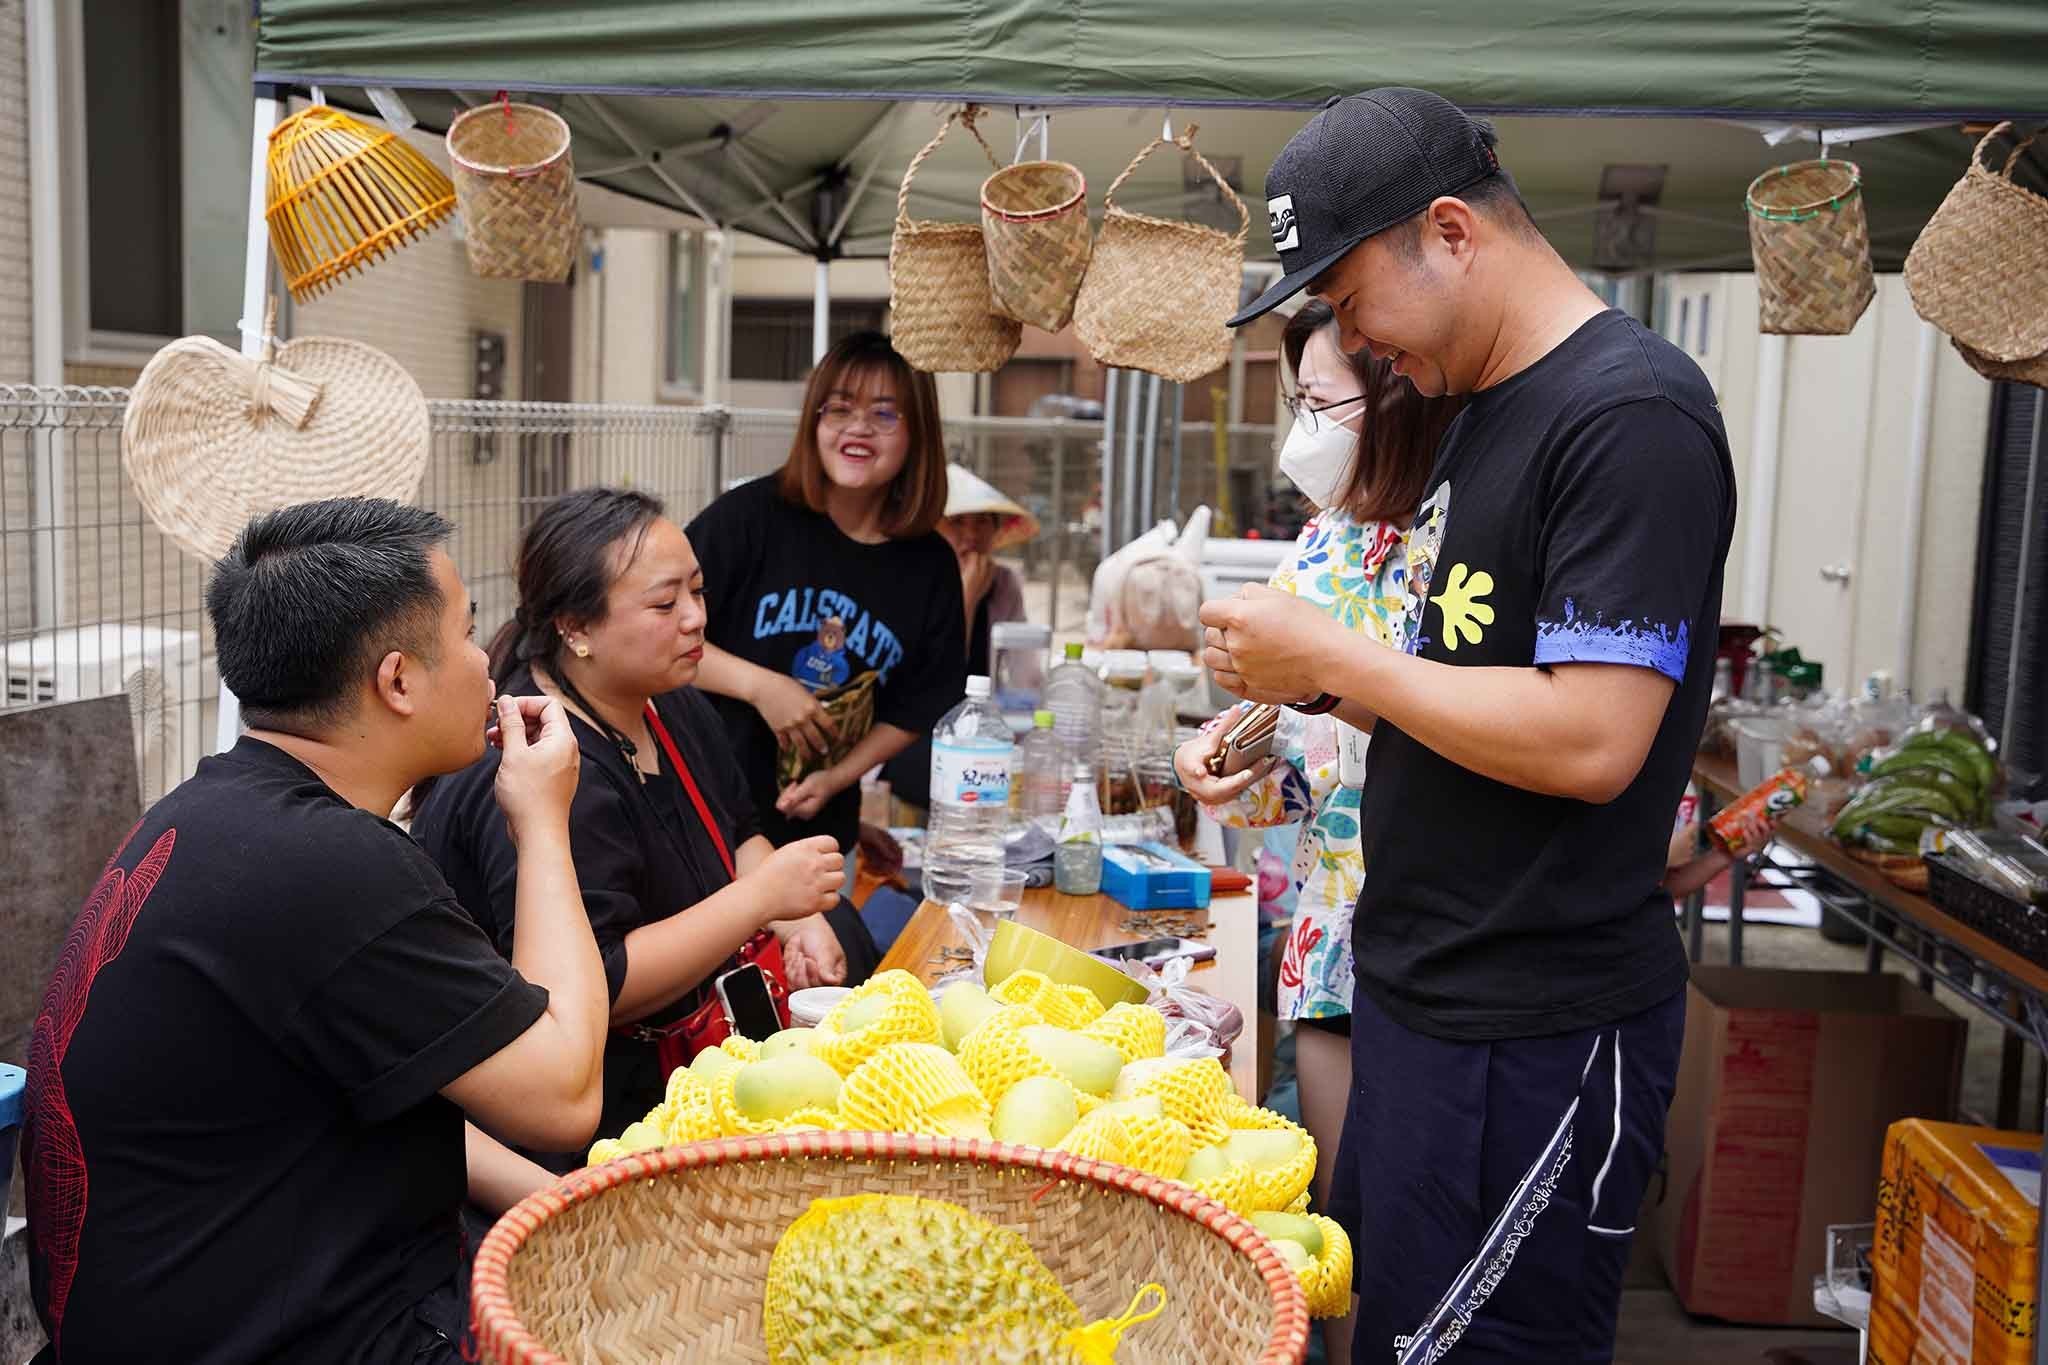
277,392
1186,142
966,115
2019,148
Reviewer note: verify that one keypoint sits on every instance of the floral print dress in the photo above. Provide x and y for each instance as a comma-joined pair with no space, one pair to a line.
1358,573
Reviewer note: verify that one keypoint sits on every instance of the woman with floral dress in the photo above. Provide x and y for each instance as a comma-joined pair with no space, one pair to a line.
1361,451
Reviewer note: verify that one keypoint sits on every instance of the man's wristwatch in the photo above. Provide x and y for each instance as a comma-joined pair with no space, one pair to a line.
1322,704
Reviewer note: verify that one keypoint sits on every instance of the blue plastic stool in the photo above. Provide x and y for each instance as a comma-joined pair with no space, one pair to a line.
13,1082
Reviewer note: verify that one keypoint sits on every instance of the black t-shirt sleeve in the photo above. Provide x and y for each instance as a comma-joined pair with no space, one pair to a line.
1631,540
933,674
412,1010
723,535
604,841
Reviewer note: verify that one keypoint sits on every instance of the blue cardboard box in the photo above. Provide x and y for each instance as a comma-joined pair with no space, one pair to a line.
1154,877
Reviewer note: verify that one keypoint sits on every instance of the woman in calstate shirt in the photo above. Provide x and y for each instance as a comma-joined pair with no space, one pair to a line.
827,582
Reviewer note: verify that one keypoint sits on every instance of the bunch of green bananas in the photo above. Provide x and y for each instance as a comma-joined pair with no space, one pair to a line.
1939,778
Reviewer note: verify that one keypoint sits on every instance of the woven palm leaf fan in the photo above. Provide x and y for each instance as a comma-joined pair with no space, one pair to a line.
341,194
213,438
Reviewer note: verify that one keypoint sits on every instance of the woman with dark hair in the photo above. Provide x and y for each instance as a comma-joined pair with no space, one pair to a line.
676,877
835,635
1361,450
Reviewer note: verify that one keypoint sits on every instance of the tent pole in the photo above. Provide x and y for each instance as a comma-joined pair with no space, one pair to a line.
2015,646
1148,500
821,311
1764,435
1128,475
1917,440
48,511
1107,497
255,300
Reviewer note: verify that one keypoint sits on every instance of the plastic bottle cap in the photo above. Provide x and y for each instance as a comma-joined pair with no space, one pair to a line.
1074,649
1042,720
977,687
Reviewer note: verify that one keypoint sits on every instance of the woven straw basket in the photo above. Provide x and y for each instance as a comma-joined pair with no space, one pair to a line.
1979,270
942,317
517,185
1159,293
664,1256
1811,245
1035,218
340,194
212,438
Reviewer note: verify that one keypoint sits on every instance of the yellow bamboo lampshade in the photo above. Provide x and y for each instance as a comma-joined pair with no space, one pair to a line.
341,194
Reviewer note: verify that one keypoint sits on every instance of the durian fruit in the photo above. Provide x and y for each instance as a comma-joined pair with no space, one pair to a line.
1062,1006
1019,1338
1137,1031
883,1270
889,1007
913,1088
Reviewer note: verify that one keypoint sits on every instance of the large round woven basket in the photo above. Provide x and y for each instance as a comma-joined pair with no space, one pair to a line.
1159,291
339,195
517,186
942,316
1811,244
664,1256
1034,216
1979,269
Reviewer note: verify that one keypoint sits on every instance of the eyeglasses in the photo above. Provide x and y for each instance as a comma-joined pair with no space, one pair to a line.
839,415
1311,418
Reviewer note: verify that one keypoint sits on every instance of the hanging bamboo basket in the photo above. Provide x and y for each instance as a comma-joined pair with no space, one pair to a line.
1979,270
1159,291
340,195
942,315
1811,244
1034,216
516,183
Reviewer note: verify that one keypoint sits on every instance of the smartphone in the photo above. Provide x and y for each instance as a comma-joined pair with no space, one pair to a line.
1155,950
749,1008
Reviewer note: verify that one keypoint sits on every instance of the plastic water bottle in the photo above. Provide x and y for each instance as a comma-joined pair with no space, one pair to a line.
973,753
1152,825
1077,857
1074,696
1037,791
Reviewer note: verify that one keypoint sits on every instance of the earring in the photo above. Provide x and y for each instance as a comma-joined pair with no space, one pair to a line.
582,650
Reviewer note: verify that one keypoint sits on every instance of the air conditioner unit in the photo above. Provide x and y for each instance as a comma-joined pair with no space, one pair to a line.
158,670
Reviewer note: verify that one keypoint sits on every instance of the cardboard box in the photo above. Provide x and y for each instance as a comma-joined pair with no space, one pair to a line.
1786,1086
1953,1262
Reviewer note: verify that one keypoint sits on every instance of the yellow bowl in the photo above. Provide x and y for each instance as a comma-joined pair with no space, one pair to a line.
1017,948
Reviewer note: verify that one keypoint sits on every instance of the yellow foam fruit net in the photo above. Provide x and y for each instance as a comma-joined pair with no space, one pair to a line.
691,1114
1019,1338
882,1270
1155,1145
913,1088
908,1017
1327,1282
733,1123
1279,1188
1063,1006
1198,1092
996,1057
1137,1031
746,1049
1232,1189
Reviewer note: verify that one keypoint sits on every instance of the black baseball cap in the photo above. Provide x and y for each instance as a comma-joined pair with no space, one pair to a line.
1362,165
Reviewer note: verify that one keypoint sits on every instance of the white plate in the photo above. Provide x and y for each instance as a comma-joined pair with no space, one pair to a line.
808,1006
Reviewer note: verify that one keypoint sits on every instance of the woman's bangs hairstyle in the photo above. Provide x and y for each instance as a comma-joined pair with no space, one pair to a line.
917,496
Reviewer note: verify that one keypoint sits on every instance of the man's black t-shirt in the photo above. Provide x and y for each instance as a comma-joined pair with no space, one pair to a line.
1580,513
641,851
791,592
235,1148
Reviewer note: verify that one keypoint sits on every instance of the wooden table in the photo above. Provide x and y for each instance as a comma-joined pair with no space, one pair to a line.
1095,921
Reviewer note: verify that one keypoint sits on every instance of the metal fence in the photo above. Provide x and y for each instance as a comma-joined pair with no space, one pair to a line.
94,601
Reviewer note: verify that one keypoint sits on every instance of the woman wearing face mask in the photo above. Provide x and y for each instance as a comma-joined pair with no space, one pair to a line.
675,875
832,570
1361,451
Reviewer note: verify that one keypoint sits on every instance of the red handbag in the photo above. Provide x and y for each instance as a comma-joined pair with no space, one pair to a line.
708,1025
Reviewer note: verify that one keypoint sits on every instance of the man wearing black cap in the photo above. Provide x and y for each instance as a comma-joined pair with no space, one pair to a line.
1520,980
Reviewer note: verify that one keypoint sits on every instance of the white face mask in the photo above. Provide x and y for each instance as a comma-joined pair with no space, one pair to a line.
1317,461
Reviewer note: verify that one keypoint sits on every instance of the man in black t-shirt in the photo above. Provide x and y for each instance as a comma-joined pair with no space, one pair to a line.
245,1137
1520,980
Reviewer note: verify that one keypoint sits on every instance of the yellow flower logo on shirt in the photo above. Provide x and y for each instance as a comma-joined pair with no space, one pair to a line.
1458,600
